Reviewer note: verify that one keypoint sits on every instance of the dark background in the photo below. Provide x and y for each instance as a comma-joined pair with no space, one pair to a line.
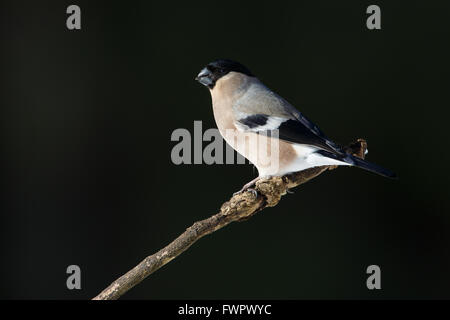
88,180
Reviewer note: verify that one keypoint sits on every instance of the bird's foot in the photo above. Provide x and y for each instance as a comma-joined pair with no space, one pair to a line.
253,191
247,187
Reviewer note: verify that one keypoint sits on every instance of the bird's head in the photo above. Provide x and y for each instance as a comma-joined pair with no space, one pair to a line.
215,70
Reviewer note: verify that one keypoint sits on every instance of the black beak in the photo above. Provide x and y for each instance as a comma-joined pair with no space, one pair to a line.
204,77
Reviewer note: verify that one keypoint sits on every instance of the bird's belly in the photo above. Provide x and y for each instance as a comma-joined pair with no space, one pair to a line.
274,157
268,155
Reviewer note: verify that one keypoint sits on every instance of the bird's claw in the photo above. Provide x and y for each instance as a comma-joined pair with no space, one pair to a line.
253,191
248,187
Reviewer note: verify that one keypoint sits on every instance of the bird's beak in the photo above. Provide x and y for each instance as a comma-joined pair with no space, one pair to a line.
204,77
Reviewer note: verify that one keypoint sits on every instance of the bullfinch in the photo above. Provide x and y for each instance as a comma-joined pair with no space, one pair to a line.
268,130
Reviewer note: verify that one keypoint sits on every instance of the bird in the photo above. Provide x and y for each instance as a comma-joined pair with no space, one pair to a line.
266,129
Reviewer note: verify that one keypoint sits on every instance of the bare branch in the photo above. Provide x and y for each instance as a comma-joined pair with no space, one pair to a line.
240,207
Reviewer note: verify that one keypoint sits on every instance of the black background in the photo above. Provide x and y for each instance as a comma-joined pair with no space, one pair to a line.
86,170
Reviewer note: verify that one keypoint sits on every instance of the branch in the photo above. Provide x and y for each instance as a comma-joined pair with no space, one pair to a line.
240,207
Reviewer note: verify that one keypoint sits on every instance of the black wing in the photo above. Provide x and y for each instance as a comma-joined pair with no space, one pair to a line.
300,131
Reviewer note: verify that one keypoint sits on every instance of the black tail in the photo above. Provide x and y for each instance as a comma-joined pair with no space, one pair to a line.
363,164
360,163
